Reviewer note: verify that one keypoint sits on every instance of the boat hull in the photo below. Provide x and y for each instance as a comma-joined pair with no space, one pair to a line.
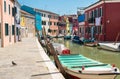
107,47
76,75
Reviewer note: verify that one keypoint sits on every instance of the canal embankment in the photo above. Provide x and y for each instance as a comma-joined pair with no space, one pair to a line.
31,62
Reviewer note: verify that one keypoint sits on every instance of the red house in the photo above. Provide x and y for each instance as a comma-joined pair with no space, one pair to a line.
102,20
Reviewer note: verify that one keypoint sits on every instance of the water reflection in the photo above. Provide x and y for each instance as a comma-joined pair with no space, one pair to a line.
93,53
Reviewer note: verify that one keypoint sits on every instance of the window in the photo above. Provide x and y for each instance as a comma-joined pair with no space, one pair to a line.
99,29
4,6
43,22
101,12
44,15
86,17
17,31
92,14
97,12
13,12
9,9
89,14
6,29
50,23
55,23
49,16
13,29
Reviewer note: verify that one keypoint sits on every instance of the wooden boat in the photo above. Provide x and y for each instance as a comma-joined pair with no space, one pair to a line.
110,46
80,67
60,48
92,44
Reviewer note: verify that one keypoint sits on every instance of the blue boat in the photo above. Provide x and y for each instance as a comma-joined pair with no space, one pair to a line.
76,39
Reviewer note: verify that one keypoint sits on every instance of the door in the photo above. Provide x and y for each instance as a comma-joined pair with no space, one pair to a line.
92,32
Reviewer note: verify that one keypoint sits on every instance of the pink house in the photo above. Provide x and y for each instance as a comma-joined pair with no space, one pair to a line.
53,24
7,22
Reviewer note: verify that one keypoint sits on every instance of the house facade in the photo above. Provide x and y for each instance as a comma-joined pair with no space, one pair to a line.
68,24
27,24
0,24
7,22
53,24
49,21
102,20
45,18
17,21
81,28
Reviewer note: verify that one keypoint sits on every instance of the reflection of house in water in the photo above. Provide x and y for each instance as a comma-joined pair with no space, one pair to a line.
27,24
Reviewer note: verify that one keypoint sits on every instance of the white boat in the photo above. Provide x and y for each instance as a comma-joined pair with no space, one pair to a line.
60,48
110,46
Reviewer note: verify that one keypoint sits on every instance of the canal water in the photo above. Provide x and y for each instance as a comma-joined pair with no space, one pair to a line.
93,53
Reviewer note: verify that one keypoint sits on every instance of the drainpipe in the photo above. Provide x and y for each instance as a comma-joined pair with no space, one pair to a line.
14,26
104,21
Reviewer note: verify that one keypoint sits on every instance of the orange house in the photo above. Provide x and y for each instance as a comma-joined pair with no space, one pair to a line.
53,24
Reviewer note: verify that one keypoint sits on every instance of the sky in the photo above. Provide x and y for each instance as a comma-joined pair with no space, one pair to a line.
60,7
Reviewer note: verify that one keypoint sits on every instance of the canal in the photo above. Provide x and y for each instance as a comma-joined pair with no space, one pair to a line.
93,53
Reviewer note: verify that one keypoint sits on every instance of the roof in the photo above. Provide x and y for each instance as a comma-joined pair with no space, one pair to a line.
25,13
92,4
45,11
101,2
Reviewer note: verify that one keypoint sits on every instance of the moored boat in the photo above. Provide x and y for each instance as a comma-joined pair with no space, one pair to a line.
60,48
76,39
92,44
110,46
80,67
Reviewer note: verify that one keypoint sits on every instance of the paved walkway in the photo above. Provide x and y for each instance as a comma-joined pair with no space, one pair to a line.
32,62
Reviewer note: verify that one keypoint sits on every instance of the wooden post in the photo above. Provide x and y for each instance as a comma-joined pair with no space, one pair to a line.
57,62
117,38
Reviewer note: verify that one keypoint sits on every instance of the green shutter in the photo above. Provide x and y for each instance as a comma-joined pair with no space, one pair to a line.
13,29
6,29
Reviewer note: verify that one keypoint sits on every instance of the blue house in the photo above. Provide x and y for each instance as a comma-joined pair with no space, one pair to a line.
81,20
37,15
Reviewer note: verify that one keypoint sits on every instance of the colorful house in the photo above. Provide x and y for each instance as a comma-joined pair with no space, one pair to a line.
8,12
17,21
53,23
81,20
49,21
27,24
102,20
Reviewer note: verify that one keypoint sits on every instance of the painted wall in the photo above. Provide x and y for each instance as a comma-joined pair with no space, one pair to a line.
112,21
9,19
17,22
27,25
0,22
109,20
46,19
54,25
